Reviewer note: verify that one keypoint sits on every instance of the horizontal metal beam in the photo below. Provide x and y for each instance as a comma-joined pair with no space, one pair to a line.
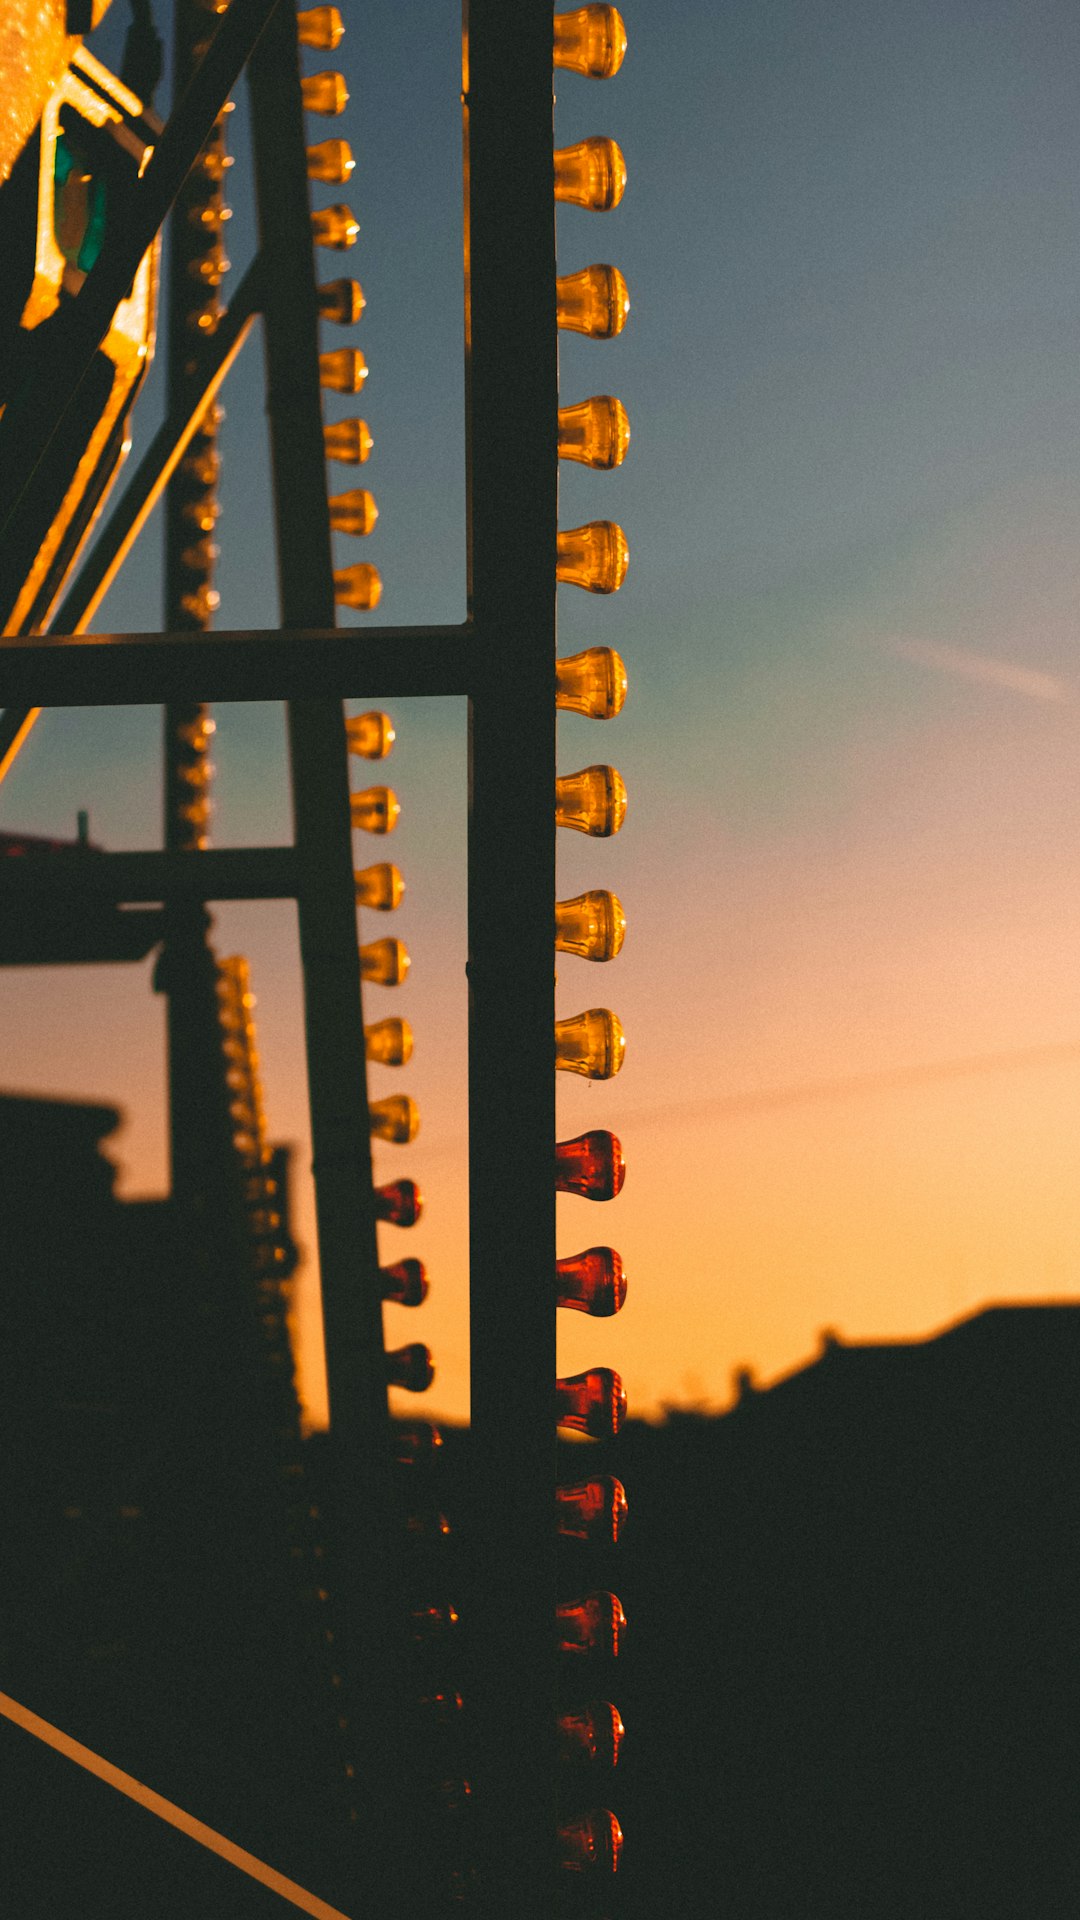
123,879
149,669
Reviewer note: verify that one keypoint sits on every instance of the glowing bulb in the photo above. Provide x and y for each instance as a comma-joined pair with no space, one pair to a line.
594,1625
353,512
593,1732
400,1203
592,801
210,269
592,683
591,174
590,40
591,1166
380,887
596,432
406,1283
203,514
591,1043
390,1042
431,1623
593,1511
324,93
414,1443
592,1282
330,161
386,962
375,810
200,556
334,227
341,301
594,301
410,1367
358,586
342,371
203,466
397,1119
593,925
348,441
201,604
370,735
590,1844
592,1403
320,27
595,556
444,1707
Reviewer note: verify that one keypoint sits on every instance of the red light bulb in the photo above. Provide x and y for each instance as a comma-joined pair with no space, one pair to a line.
415,1442
595,1624
410,1367
593,1732
591,1165
431,1623
592,1281
592,1403
406,1283
400,1203
590,1844
594,1511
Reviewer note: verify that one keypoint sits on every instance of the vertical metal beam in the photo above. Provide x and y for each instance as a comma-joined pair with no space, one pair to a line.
512,390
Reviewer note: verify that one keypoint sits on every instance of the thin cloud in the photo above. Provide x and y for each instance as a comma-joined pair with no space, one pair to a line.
963,664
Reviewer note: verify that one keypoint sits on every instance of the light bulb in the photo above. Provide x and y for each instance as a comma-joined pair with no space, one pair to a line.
427,1624
591,1166
591,1043
330,161
324,93
590,174
358,586
592,1282
380,887
202,466
592,1403
348,441
397,1119
390,1042
375,810
592,801
400,1203
593,1511
405,1283
203,514
592,683
210,268
592,925
341,301
590,1844
596,1624
201,604
594,301
320,27
422,1528
200,556
414,1443
443,1707
353,512
410,1367
590,40
593,1732
370,735
342,371
595,556
385,962
334,227
596,432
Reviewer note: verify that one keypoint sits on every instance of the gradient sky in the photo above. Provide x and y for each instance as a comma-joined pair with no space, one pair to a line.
852,1088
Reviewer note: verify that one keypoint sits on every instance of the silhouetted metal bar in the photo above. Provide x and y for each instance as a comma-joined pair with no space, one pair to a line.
216,873
34,414
512,397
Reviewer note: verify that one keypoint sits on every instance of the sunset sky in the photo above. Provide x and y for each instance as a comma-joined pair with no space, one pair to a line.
851,862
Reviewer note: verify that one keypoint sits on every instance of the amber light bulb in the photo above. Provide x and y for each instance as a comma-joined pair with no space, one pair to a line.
320,27
595,557
341,301
591,1043
591,1282
594,1511
375,810
410,1367
386,962
591,1165
397,1119
380,887
335,226
400,1203
358,586
390,1042
354,512
592,801
596,432
590,1844
406,1283
342,371
590,40
414,1443
590,174
347,441
330,161
593,1732
370,735
594,302
596,1624
592,925
592,1403
324,93
592,683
